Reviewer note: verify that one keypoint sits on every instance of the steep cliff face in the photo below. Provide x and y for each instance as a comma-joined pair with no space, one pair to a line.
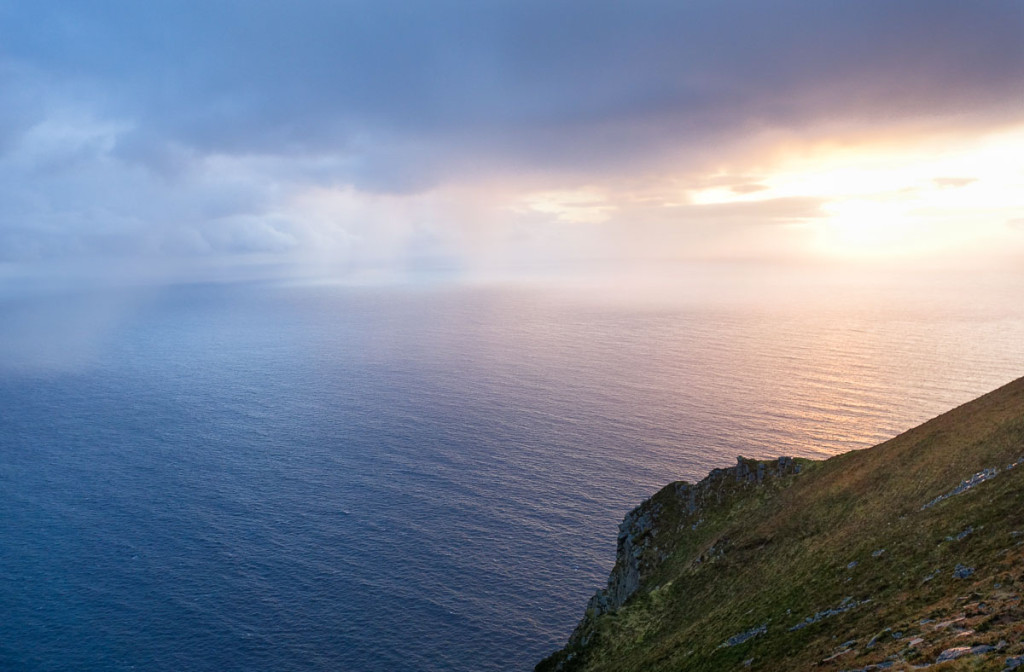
650,532
906,555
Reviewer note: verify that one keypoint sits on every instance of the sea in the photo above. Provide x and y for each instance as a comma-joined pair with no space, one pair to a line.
317,476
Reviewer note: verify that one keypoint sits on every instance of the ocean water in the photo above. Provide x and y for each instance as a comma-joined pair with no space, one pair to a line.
274,477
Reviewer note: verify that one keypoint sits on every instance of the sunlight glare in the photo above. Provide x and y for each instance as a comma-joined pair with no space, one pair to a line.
859,227
898,201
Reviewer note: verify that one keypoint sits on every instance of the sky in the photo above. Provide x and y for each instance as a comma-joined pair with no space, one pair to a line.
382,141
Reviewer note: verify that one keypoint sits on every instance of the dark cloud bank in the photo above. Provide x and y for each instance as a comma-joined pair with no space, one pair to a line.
396,97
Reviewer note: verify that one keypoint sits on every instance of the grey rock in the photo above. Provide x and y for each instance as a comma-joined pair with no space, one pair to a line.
953,654
746,635
965,485
884,665
847,604
962,572
1014,662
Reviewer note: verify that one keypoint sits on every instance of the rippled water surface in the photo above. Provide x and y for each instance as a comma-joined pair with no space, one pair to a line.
318,478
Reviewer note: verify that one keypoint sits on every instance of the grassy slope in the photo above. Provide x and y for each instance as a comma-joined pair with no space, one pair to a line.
777,554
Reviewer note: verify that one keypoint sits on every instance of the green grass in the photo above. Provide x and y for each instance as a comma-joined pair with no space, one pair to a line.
778,553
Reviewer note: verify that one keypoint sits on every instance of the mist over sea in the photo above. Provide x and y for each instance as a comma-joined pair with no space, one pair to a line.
312,477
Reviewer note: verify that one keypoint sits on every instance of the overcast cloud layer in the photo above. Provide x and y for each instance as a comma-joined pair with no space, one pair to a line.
355,134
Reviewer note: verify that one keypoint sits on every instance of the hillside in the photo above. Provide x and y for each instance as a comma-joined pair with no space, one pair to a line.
906,555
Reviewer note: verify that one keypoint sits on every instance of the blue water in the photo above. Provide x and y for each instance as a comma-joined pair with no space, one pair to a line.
271,477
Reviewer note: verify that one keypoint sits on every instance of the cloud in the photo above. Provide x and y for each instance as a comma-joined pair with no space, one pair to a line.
768,211
580,206
391,84
163,129
953,182
747,188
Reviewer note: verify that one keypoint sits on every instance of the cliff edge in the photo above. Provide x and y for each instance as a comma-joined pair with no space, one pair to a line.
903,556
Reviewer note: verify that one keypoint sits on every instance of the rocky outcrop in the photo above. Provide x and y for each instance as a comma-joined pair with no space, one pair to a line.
637,534
639,553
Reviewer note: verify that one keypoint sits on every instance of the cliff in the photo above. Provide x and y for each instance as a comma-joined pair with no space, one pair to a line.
906,555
